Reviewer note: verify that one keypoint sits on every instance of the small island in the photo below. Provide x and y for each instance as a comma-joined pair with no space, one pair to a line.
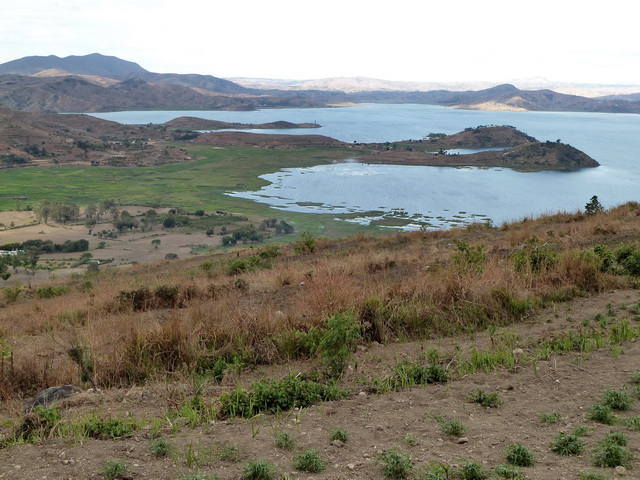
506,147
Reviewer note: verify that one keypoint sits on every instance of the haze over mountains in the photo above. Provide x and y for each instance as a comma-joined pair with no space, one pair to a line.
96,82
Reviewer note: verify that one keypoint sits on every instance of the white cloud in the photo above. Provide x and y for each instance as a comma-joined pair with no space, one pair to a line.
425,41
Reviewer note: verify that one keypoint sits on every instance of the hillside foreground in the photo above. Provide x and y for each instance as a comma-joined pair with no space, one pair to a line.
550,331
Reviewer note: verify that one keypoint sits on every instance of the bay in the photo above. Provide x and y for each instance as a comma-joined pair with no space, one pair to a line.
441,196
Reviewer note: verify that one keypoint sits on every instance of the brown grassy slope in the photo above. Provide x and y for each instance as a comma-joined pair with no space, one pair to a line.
170,318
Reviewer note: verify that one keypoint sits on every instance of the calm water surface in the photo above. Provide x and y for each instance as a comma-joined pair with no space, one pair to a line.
441,196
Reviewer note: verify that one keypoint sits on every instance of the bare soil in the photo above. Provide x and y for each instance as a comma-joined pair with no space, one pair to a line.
566,384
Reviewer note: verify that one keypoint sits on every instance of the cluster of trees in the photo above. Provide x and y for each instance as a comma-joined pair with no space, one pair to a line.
56,210
26,258
47,246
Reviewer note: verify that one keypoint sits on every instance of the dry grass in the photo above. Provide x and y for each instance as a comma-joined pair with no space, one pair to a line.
398,286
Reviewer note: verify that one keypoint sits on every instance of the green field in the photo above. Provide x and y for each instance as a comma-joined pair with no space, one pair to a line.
200,184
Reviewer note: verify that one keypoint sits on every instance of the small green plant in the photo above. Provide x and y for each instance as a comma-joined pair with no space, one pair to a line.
488,400
616,438
611,455
339,342
339,433
473,471
635,377
228,452
633,423
410,440
199,476
470,258
396,464
602,414
115,469
309,461
453,427
567,444
617,400
508,472
519,455
305,244
550,417
584,475
160,447
285,441
259,470
582,431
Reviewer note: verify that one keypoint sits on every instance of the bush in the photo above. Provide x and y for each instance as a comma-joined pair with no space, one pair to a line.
519,455
509,472
338,342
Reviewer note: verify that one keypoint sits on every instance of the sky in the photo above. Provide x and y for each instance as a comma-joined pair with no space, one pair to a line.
411,40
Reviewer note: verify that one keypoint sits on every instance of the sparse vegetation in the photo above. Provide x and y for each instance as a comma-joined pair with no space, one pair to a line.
396,464
310,460
519,455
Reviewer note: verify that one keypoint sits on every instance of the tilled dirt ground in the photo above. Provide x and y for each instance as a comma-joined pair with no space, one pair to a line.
407,420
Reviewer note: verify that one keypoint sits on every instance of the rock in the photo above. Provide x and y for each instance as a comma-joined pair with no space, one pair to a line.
337,443
362,394
462,440
351,466
620,471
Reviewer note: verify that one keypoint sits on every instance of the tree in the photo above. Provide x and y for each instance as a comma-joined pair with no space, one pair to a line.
156,242
209,232
593,206
199,213
89,223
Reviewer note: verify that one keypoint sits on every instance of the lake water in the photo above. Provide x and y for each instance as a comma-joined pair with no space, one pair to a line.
441,196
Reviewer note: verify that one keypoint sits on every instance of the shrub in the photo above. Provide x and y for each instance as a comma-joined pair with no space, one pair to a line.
488,400
285,441
396,464
259,470
305,244
310,461
567,444
407,374
338,342
633,423
583,475
228,452
339,434
470,258
519,455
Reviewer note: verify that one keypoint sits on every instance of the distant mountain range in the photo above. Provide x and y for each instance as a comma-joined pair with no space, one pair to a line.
97,82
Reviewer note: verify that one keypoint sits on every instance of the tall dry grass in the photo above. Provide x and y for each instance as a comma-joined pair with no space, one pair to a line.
177,317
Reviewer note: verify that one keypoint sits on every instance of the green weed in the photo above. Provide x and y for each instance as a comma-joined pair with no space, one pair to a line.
453,427
310,461
396,464
611,455
519,455
160,447
509,472
602,414
567,444
114,469
617,400
487,400
550,417
473,471
285,441
259,470
339,433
